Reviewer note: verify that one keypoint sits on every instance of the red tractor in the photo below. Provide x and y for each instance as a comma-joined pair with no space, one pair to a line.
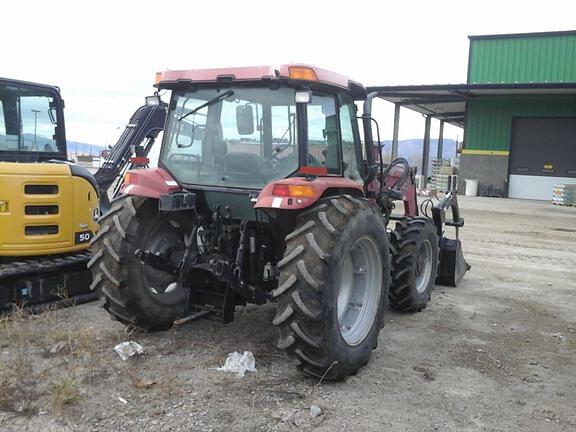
266,193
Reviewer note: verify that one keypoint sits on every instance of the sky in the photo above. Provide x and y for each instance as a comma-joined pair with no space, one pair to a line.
104,54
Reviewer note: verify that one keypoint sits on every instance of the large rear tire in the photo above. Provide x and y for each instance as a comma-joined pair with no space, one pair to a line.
333,287
131,292
415,250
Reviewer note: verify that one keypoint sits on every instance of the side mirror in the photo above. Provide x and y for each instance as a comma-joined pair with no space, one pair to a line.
52,114
245,119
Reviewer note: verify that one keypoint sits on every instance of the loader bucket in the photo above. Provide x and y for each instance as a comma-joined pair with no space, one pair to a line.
453,266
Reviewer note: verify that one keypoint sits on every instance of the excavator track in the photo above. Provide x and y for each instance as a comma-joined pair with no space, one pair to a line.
39,282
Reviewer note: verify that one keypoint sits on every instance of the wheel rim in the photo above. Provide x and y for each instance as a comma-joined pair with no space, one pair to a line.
359,290
167,238
423,266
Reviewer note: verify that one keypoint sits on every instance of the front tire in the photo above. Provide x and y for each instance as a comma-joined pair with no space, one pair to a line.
333,287
133,293
415,250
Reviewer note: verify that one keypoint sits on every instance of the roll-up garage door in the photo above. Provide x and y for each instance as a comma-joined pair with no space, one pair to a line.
542,153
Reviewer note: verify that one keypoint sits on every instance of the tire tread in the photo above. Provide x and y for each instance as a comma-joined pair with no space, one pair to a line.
301,285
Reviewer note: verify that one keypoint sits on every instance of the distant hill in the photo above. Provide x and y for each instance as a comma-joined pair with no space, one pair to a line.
75,147
411,149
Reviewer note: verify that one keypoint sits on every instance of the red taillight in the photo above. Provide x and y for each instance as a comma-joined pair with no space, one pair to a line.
139,160
281,190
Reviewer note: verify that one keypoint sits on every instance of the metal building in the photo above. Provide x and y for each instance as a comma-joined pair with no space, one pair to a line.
518,110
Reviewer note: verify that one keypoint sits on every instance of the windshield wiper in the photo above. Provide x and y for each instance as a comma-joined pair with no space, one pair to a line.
208,103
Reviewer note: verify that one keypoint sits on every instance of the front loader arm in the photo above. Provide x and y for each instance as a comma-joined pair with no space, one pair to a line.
450,201
453,266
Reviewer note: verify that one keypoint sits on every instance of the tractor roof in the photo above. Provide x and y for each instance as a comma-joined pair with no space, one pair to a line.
293,72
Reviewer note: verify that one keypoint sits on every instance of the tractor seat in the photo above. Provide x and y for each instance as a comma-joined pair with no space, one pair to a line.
241,162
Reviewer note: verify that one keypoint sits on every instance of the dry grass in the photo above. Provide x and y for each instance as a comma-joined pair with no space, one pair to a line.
45,369
65,392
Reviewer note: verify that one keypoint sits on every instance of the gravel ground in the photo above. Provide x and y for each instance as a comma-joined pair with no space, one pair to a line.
497,353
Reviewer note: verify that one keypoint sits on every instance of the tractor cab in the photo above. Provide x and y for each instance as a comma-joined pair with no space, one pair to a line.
244,128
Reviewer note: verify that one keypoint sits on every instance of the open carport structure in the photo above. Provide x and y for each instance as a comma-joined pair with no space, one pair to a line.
518,111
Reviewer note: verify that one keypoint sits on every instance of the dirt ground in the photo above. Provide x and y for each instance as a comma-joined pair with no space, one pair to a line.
496,354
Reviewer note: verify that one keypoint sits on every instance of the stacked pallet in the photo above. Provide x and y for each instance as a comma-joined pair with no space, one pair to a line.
443,178
564,194
437,165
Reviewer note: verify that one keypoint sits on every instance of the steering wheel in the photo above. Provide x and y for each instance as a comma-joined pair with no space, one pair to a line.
313,160
274,156
269,159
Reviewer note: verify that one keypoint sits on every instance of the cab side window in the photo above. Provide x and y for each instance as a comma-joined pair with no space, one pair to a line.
2,124
323,134
349,129
5,143
38,130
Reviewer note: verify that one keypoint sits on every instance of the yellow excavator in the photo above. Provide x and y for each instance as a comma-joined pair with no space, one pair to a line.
49,207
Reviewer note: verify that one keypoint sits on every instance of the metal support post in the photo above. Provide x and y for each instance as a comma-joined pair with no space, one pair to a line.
440,141
426,150
394,153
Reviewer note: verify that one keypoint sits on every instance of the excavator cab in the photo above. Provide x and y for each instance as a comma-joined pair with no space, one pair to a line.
31,122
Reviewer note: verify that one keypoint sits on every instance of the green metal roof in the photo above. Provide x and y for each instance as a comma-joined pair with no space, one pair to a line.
523,58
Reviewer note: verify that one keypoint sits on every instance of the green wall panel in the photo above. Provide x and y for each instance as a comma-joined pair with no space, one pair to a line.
489,120
537,59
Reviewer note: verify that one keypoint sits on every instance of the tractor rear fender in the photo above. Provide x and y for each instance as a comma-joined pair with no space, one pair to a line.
297,193
150,183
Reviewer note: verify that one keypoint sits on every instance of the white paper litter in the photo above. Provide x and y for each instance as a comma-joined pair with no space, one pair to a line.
316,411
239,363
128,349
